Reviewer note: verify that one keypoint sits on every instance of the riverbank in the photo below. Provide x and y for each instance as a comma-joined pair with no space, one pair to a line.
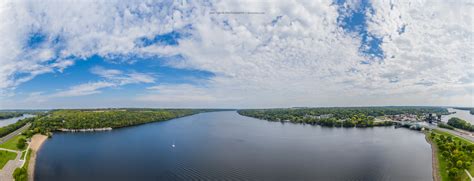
434,157
36,143
450,165
86,130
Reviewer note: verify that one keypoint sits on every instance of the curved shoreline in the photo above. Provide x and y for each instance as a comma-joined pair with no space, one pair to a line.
434,158
35,145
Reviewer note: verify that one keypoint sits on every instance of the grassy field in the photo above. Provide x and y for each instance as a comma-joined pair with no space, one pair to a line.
5,156
443,163
11,144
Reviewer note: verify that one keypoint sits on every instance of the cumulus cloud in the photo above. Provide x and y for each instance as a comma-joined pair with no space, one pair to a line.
291,54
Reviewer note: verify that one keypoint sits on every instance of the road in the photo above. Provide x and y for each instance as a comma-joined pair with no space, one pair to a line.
465,135
14,133
6,173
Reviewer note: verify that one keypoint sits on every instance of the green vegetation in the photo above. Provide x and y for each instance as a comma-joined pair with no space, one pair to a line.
461,124
23,154
103,118
21,144
21,174
454,155
5,156
6,115
444,125
338,116
12,127
12,143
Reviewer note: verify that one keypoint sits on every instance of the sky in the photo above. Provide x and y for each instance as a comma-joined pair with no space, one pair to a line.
235,54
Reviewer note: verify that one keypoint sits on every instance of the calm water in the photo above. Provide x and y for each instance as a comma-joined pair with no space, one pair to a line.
6,122
227,146
463,114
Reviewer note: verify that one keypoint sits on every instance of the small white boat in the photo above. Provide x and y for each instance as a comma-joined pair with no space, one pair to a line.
173,145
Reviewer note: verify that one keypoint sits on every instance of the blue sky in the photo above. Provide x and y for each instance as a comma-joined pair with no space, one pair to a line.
179,54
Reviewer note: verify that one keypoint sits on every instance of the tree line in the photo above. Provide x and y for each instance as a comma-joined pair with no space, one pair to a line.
103,118
338,116
460,124
12,127
6,115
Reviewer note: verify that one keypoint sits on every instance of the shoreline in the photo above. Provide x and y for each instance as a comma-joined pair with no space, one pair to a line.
86,130
434,159
36,142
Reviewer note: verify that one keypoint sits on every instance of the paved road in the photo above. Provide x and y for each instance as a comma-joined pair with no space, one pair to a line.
6,173
14,133
464,135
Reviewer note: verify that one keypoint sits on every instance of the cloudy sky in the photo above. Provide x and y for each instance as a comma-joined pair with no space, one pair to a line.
239,54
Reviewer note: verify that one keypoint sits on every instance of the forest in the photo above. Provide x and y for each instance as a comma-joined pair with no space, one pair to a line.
460,124
103,118
6,115
338,116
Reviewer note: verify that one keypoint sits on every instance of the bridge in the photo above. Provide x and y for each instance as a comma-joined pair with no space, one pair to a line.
418,125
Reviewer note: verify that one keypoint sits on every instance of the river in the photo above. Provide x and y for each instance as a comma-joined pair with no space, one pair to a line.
463,114
227,146
6,122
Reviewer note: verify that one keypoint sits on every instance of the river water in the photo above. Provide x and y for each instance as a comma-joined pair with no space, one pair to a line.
6,122
463,114
227,146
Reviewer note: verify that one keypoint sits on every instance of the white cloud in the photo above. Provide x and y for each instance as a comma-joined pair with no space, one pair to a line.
302,58
84,89
120,78
112,78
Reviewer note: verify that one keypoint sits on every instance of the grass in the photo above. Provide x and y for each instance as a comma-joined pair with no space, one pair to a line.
442,164
5,156
28,156
11,144
455,136
23,154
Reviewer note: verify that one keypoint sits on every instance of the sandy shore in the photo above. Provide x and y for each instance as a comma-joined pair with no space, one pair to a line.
36,142
434,150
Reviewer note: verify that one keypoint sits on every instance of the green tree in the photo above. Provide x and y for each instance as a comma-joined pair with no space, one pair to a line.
20,174
453,172
459,164
467,164
21,143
